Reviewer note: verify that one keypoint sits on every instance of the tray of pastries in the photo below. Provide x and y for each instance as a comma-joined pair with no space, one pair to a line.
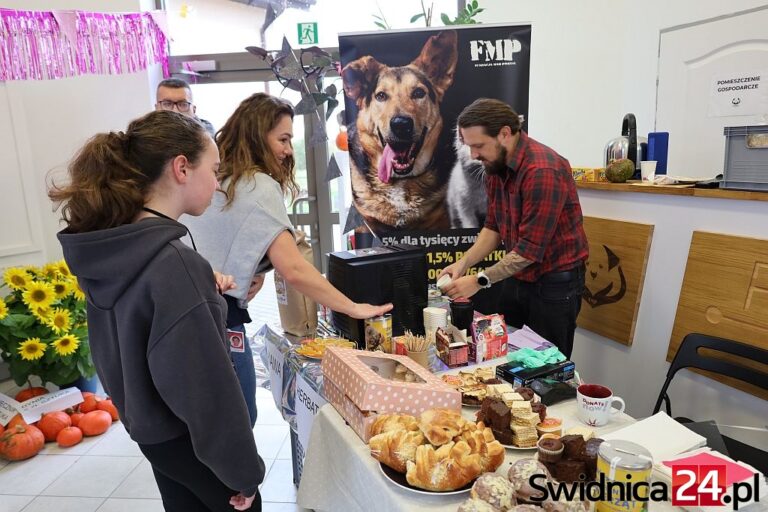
314,348
515,417
439,452
473,384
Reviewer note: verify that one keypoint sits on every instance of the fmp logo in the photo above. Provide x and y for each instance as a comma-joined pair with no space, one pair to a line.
494,51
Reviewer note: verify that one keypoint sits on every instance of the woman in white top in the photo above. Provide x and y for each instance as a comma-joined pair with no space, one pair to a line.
246,231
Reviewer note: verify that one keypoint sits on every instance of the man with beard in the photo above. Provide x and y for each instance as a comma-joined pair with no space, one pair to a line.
533,207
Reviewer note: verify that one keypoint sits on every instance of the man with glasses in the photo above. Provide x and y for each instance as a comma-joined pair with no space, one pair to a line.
175,94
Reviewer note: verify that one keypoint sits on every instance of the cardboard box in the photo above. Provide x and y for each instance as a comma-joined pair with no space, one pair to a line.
359,385
489,338
452,346
518,375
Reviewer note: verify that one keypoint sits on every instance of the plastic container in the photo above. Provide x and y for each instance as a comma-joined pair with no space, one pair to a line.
746,158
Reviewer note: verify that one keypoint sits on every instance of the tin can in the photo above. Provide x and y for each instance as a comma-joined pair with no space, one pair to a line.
623,465
378,333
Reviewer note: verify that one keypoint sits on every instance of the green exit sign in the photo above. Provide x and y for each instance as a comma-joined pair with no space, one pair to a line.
307,33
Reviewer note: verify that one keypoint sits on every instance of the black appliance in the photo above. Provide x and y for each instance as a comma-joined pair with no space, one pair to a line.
392,273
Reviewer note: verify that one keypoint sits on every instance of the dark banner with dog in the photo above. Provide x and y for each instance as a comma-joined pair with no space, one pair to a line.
413,181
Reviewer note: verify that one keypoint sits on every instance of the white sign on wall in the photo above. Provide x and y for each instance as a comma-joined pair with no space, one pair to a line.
276,362
308,402
739,94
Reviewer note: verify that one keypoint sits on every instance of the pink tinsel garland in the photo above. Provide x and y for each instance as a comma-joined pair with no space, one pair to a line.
33,45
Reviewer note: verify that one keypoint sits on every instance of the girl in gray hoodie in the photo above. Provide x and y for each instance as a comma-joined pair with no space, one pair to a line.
155,319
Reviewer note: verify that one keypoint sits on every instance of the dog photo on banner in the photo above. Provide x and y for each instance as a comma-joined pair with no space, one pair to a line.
413,181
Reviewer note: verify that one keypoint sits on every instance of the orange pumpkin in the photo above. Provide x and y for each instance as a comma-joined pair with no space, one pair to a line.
69,436
75,418
2,429
95,423
89,403
30,392
341,141
21,442
52,423
16,420
107,405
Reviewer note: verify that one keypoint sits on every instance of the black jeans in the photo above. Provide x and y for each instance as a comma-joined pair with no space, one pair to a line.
185,483
549,306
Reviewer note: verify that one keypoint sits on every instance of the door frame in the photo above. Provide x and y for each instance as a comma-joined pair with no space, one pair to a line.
245,67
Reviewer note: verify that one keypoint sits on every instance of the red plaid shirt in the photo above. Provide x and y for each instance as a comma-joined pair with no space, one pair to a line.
536,210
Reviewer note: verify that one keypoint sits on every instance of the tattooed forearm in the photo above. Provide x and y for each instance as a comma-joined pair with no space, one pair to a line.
510,265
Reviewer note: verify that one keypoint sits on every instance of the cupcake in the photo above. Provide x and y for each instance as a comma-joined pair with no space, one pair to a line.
475,505
550,426
550,450
495,490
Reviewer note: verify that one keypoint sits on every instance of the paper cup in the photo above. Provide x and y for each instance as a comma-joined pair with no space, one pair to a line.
444,281
420,357
648,170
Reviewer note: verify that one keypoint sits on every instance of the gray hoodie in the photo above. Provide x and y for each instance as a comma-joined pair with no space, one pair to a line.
157,338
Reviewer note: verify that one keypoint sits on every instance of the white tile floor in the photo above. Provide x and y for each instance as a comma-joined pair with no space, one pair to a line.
109,474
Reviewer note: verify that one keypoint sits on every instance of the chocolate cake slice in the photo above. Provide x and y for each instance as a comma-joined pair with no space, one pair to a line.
574,447
567,470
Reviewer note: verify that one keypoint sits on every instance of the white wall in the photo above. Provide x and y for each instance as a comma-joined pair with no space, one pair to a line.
47,122
593,61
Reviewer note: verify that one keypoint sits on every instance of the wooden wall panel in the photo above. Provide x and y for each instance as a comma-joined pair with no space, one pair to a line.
725,294
618,256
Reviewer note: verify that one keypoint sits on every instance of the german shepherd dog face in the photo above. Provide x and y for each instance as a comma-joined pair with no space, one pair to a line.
398,125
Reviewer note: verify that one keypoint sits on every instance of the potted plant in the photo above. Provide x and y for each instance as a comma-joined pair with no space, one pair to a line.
43,329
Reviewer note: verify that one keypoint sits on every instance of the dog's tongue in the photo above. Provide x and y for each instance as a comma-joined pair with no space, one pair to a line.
385,164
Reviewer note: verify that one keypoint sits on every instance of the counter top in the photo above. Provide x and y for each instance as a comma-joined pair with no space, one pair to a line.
675,190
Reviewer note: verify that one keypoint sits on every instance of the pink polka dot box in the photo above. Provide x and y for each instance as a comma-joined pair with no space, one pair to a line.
362,384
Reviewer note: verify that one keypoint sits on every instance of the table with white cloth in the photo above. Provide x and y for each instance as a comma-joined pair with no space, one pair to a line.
340,474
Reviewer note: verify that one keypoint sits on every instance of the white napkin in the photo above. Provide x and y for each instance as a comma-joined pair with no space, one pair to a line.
660,435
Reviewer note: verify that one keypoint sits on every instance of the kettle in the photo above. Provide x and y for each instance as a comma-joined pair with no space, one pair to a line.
629,145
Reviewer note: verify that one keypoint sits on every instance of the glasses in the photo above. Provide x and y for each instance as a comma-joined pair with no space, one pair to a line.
181,106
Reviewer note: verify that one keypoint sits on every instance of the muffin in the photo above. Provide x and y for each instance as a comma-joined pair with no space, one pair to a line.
550,426
520,474
575,447
550,450
475,505
495,490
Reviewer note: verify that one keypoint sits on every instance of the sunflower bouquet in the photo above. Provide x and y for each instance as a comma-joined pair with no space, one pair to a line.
43,330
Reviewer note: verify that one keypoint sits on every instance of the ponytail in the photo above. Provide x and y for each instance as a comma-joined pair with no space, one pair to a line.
111,176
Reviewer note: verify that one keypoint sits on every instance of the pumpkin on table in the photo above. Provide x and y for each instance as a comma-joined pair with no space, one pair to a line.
90,401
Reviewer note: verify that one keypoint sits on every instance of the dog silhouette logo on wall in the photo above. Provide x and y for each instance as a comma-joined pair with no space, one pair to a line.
605,281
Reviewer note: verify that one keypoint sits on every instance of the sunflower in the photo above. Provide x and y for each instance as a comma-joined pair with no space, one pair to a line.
38,294
77,292
63,268
3,309
50,271
61,288
16,278
42,313
66,345
60,320
32,349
